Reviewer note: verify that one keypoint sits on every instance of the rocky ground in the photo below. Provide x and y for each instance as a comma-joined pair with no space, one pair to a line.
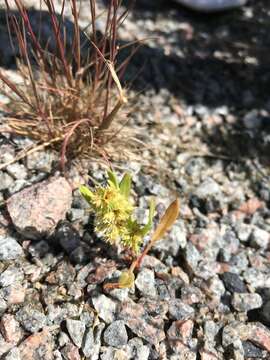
203,293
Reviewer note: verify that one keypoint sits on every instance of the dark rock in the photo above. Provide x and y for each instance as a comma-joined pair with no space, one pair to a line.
233,283
80,255
67,236
251,350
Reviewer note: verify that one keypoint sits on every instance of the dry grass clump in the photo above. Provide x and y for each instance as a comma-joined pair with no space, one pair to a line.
67,100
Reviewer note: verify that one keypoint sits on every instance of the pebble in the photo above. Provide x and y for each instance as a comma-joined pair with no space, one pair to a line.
11,275
246,301
252,351
259,238
37,346
76,329
192,256
31,319
80,255
14,294
9,248
70,352
178,310
233,283
67,236
116,335
14,354
92,342
17,171
105,307
6,181
10,329
137,350
145,282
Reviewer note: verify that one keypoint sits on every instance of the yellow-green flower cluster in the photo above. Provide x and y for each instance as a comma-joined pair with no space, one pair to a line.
114,212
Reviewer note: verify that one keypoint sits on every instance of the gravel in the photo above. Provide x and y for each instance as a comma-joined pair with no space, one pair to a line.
203,290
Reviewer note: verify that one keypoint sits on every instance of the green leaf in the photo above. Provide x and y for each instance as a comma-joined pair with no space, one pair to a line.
126,279
113,179
86,193
146,228
125,185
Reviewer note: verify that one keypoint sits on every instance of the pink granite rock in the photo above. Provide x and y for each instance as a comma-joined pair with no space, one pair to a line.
35,211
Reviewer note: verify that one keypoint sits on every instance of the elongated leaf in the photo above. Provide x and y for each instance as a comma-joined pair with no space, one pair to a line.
146,228
166,221
125,185
113,178
86,193
127,279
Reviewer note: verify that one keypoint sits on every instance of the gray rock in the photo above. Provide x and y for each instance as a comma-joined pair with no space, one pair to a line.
39,249
17,171
176,239
137,350
63,339
259,238
192,256
36,211
243,231
207,188
246,301
178,310
76,329
145,282
116,334
3,306
41,161
105,307
77,214
6,181
251,351
14,354
91,343
9,248
31,319
10,276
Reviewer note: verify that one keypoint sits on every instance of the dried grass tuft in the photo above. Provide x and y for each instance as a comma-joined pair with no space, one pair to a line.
68,101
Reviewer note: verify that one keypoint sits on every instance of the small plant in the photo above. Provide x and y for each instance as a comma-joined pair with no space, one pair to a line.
114,219
71,94
113,211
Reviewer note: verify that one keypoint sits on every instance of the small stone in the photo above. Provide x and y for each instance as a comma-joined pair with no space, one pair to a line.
252,351
138,350
36,211
216,287
192,256
264,313
41,161
76,329
141,323
76,214
259,238
63,339
6,181
10,276
244,231
246,301
39,249
70,352
17,171
179,310
9,248
116,334
31,319
67,236
145,282
180,331
207,188
80,255
191,295
63,275
37,346
91,343
175,240
14,354
105,307
3,306
233,283
10,329
14,294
